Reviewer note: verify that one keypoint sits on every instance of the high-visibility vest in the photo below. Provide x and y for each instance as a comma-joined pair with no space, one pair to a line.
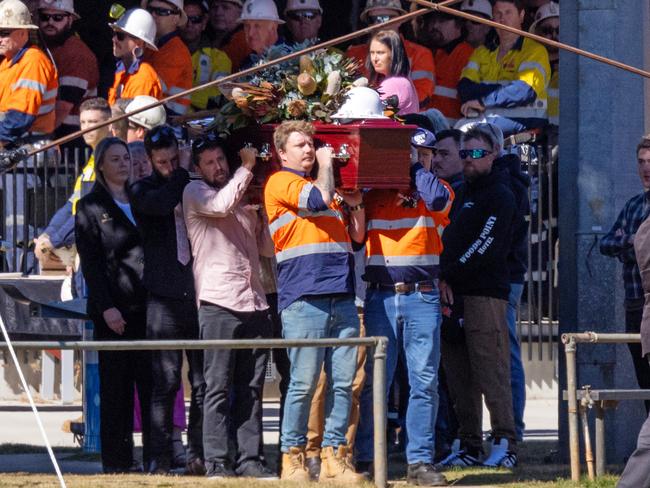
28,84
83,184
208,64
527,61
449,66
139,79
554,99
173,63
423,69
78,75
402,243
312,249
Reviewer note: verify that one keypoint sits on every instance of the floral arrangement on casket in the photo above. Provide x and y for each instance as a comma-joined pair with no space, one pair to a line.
312,87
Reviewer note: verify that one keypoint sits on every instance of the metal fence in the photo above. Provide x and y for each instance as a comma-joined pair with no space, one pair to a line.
32,193
538,315
378,345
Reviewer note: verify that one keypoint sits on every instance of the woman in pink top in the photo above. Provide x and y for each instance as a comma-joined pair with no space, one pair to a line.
390,70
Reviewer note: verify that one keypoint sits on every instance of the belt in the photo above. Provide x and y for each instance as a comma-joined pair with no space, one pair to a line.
403,288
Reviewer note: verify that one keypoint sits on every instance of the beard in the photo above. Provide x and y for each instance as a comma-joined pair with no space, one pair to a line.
57,39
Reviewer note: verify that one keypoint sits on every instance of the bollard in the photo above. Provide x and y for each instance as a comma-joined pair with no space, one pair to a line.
379,411
572,395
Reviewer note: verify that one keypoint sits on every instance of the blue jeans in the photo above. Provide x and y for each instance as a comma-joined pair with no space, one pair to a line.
517,377
412,322
319,317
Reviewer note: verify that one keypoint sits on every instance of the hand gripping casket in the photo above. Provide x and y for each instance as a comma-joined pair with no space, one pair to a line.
368,153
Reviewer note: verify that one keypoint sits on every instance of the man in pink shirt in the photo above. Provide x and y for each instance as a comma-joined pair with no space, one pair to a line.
227,235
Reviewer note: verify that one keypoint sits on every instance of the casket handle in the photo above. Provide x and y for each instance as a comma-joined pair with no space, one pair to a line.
343,154
264,153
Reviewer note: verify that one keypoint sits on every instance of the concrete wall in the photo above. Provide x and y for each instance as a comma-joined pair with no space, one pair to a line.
602,118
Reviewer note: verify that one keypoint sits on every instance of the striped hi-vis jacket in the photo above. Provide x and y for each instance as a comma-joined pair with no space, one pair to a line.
450,61
403,242
28,89
139,79
173,63
514,86
312,245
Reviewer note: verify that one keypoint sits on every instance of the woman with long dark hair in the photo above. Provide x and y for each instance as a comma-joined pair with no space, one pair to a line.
390,70
110,249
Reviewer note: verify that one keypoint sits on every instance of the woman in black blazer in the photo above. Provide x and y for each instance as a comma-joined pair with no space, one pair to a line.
110,249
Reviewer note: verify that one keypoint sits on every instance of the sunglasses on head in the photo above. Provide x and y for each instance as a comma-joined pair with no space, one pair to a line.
55,17
473,153
204,141
195,19
549,31
303,15
162,11
380,19
159,132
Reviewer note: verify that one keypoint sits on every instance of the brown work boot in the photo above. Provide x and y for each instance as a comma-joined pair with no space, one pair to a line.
293,465
336,466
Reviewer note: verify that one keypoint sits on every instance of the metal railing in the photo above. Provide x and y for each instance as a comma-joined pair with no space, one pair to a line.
571,341
378,344
31,194
537,323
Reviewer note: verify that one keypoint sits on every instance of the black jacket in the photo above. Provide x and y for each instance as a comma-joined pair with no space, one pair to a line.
477,241
112,261
519,183
154,199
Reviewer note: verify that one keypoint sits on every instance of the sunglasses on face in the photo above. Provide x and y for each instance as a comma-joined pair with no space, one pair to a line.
55,17
120,36
162,11
549,31
160,132
302,15
195,19
380,19
473,153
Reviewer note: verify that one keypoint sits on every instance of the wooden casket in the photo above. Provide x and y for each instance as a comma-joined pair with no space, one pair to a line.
368,154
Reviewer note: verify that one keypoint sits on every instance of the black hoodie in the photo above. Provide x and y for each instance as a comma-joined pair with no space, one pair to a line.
519,183
477,242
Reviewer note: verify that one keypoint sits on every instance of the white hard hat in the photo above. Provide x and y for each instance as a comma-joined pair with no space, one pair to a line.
14,14
293,5
148,118
176,3
381,4
62,5
361,103
260,10
483,7
137,23
544,12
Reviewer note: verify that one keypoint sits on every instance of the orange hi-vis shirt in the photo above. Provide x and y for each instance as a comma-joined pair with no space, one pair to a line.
312,247
173,63
423,68
450,62
139,79
403,243
237,49
78,75
28,88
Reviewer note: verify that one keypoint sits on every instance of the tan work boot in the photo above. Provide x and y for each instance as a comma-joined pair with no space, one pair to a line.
336,466
293,465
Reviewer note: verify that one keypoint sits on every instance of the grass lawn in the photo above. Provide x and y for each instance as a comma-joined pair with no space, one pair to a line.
539,468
